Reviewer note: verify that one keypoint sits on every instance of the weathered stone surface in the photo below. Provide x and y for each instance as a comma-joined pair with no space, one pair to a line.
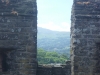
54,69
85,43
18,36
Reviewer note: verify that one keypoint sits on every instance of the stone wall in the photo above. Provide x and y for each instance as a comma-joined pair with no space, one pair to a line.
54,69
18,36
85,37
18,41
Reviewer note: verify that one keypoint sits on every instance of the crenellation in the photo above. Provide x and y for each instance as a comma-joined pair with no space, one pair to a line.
18,30
18,39
86,19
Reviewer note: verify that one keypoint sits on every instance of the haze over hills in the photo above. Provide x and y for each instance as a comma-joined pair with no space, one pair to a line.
53,40
46,33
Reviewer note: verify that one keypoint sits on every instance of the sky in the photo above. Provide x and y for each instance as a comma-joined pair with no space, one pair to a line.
54,14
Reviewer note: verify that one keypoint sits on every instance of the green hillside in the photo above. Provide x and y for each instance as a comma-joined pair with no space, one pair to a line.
46,33
53,41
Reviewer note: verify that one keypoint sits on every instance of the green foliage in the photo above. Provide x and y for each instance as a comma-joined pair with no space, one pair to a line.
47,57
53,41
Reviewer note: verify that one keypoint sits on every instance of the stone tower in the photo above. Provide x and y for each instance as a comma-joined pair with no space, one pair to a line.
85,37
18,37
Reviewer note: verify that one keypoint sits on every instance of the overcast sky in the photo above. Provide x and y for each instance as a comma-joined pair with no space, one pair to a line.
54,14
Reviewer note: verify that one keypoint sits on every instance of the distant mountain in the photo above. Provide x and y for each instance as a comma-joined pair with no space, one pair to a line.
53,40
46,33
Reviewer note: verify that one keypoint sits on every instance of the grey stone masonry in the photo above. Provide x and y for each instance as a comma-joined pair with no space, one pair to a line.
18,37
54,69
85,37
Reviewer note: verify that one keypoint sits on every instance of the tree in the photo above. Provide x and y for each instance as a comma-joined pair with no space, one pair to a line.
47,57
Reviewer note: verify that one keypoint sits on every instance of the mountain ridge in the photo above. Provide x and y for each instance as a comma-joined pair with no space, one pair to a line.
44,33
53,40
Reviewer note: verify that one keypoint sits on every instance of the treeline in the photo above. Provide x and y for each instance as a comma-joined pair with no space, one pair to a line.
48,57
53,41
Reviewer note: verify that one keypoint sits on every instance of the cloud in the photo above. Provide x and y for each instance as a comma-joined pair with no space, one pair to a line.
64,26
